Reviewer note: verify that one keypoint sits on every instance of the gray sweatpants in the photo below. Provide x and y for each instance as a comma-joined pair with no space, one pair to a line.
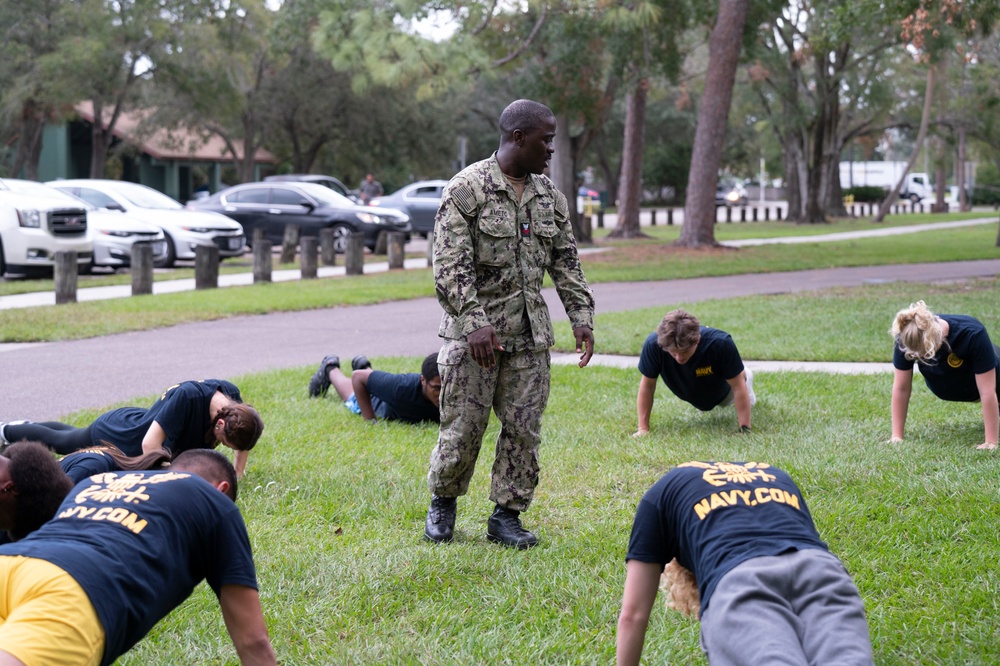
798,608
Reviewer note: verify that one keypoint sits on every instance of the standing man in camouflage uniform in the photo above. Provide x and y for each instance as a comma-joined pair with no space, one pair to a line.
500,226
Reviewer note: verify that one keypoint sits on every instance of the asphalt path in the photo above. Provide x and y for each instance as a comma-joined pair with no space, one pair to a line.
43,381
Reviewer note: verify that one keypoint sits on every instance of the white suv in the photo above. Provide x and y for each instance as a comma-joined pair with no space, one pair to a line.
33,229
185,229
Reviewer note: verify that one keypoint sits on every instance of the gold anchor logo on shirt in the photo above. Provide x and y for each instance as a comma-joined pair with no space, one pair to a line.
954,361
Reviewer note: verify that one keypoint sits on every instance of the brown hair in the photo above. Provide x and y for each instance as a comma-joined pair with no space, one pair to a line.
149,460
679,330
917,333
243,426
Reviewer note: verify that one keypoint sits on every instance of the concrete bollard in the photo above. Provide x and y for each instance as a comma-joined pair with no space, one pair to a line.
395,249
652,217
206,267
670,217
600,219
262,261
743,214
307,260
777,213
354,257
430,248
767,214
729,214
64,271
142,268
754,214
328,253
381,243
289,243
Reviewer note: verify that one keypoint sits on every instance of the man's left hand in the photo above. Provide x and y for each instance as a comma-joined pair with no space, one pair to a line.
584,340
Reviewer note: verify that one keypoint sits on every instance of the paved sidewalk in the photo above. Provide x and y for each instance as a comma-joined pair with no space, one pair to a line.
48,380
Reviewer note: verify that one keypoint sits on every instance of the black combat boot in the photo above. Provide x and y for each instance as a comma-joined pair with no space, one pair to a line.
504,527
440,524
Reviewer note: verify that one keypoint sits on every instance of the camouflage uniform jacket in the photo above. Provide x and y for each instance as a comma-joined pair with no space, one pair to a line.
491,253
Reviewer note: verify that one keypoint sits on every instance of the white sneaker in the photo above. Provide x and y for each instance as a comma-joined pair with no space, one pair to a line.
753,396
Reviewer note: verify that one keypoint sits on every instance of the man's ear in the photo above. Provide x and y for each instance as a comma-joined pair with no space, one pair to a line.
518,136
222,486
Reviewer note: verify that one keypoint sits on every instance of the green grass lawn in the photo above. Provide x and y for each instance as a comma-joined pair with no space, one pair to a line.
843,324
633,260
335,511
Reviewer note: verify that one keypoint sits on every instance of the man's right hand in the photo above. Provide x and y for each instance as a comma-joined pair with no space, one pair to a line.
482,342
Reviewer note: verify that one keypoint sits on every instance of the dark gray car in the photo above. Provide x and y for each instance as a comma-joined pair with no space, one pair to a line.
419,200
271,206
334,184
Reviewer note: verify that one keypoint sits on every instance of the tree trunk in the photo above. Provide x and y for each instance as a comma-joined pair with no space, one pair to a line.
29,145
925,117
562,170
610,175
631,185
963,202
713,114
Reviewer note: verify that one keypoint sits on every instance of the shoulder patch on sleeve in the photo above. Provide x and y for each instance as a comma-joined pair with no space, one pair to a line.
465,199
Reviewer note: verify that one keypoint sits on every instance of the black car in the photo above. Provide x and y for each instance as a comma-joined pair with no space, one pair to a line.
419,200
271,206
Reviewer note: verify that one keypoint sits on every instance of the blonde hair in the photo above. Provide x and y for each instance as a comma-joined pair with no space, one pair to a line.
917,333
681,588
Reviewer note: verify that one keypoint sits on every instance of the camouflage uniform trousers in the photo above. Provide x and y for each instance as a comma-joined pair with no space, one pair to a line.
517,389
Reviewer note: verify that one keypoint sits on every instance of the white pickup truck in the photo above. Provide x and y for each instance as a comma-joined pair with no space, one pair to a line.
33,229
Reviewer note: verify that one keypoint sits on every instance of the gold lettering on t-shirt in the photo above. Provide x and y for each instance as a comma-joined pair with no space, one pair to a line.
704,371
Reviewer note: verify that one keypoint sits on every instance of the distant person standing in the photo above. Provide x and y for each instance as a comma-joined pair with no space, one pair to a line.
500,227
370,188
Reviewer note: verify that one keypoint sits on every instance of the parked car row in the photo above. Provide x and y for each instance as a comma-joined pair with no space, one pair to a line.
183,229
272,205
102,219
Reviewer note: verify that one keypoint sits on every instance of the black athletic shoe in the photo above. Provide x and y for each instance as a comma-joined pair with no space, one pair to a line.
440,523
360,363
319,383
504,527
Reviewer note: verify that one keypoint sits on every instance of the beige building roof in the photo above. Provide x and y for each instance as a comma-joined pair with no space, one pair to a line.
176,144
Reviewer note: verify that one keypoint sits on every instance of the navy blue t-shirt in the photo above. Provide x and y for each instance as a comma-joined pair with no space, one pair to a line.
182,411
138,543
401,397
967,352
702,381
84,464
713,516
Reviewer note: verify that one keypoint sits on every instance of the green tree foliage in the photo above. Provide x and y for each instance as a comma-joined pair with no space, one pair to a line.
215,80
646,43
34,81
